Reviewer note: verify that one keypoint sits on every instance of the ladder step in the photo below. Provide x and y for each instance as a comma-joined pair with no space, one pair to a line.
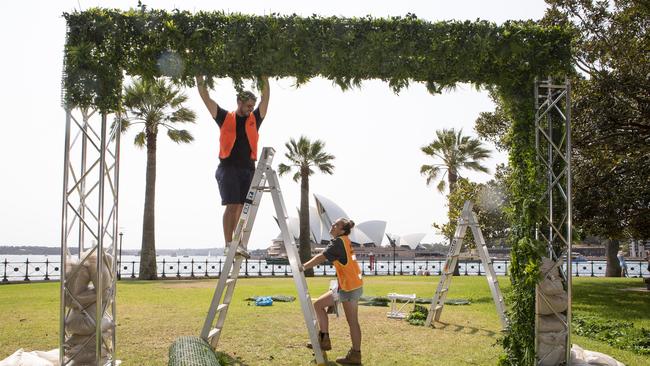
221,307
438,307
213,333
230,281
444,290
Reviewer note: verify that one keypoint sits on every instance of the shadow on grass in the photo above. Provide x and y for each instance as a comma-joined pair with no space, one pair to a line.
481,300
606,301
227,360
464,329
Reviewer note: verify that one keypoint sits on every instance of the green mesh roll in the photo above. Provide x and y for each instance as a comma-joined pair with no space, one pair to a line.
192,351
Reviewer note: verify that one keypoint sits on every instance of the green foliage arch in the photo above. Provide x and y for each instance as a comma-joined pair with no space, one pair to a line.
103,45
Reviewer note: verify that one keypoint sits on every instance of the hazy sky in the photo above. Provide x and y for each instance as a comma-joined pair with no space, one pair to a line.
375,135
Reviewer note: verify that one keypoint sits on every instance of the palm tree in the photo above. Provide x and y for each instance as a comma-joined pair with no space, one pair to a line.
454,152
153,104
305,155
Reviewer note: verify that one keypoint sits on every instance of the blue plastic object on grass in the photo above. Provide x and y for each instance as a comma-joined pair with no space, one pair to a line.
264,301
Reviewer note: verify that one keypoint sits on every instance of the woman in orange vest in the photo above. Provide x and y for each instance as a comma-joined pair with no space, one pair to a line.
237,150
339,252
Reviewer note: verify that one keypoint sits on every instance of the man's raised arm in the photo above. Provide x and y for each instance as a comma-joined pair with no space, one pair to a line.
205,95
266,93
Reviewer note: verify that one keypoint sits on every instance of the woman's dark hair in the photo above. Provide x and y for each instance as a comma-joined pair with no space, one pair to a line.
347,225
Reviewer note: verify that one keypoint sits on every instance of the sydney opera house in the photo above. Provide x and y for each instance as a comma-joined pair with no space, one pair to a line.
366,236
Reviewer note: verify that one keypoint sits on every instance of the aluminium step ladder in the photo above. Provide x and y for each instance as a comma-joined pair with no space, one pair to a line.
466,219
265,179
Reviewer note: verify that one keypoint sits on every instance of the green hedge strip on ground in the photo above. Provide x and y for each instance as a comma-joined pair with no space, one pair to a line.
104,44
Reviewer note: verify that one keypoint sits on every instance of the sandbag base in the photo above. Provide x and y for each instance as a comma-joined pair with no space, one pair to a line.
192,351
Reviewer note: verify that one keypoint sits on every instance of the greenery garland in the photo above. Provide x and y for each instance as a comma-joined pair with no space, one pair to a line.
103,44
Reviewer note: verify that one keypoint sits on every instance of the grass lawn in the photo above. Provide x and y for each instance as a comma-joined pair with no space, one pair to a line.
152,314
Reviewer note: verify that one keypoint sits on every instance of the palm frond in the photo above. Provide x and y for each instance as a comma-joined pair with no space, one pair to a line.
326,168
474,165
296,177
441,186
180,136
430,172
283,169
139,140
183,115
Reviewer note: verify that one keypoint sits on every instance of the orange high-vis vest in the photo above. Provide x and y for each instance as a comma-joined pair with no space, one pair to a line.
229,134
349,274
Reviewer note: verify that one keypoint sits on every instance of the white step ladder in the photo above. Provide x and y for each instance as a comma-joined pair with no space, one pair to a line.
466,219
265,179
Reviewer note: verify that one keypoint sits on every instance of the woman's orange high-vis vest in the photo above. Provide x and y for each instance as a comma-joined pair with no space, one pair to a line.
349,274
229,134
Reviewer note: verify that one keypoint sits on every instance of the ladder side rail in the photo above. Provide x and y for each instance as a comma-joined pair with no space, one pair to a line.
246,220
489,270
254,197
249,213
227,299
445,280
438,300
439,305
294,261
218,292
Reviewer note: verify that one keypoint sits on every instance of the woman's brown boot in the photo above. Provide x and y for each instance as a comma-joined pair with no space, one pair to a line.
324,340
352,358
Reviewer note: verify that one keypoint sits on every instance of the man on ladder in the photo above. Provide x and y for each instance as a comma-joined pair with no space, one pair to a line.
237,151
265,179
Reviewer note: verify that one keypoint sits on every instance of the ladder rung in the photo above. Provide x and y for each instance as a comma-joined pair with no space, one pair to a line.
444,290
438,307
213,332
230,281
221,307
449,273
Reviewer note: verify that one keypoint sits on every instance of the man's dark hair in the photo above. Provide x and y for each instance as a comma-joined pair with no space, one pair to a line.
246,95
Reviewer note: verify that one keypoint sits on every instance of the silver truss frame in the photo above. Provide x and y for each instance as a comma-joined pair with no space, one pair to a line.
553,149
90,213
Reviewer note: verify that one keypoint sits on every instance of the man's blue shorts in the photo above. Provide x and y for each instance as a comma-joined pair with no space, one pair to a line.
234,183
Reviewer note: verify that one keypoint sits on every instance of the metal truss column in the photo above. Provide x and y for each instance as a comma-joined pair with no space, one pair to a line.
553,149
89,223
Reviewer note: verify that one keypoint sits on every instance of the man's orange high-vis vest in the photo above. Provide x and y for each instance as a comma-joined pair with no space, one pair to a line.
349,274
229,134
